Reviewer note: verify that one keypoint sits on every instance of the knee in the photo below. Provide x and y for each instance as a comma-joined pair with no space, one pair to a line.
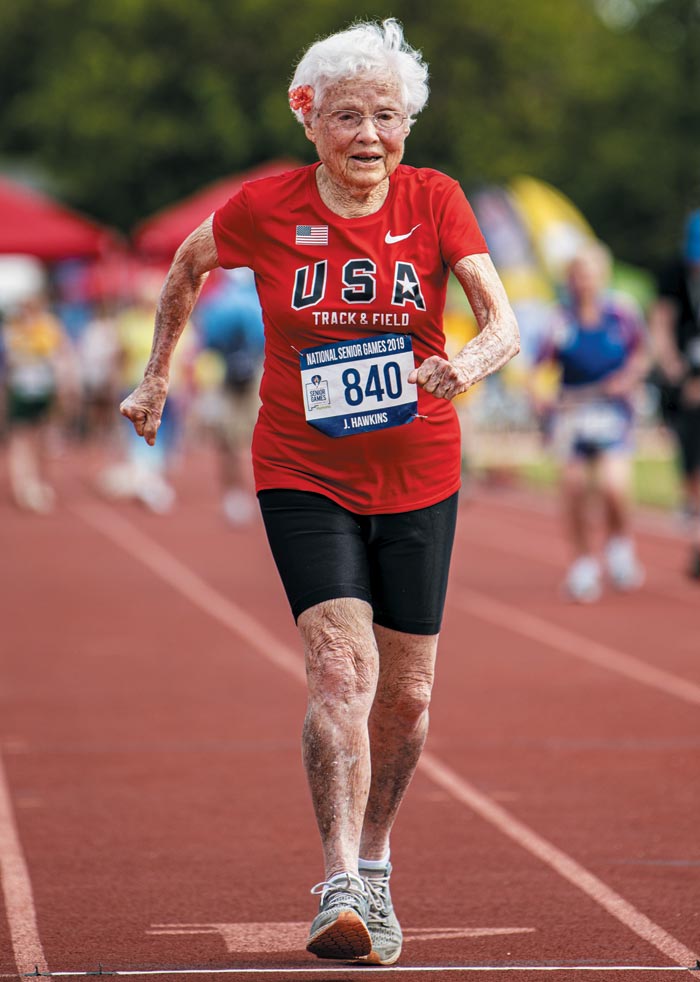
574,483
614,495
340,665
407,698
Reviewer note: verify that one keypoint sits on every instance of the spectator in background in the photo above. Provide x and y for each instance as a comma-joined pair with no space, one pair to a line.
3,392
675,331
230,324
143,475
598,343
39,372
99,357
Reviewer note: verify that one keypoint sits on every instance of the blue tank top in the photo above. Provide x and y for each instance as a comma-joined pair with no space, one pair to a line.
591,353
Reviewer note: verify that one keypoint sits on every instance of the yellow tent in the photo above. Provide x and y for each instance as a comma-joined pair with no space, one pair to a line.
556,226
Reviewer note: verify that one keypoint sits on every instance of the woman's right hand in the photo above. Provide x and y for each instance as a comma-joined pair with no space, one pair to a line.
690,392
144,407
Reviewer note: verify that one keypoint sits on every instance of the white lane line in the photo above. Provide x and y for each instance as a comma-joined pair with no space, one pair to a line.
165,565
511,618
557,860
17,889
353,968
273,937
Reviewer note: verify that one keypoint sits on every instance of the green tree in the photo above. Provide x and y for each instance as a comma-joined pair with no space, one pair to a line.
129,105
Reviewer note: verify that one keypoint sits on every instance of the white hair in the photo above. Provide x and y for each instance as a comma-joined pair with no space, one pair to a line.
365,47
596,253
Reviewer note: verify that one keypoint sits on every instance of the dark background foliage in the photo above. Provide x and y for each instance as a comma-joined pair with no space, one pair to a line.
123,106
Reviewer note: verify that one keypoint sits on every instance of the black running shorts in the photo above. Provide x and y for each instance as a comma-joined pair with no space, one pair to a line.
396,563
686,423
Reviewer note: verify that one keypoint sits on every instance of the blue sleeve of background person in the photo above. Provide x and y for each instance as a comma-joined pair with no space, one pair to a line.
251,321
222,319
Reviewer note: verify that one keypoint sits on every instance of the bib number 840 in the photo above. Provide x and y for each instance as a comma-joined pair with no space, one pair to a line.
355,393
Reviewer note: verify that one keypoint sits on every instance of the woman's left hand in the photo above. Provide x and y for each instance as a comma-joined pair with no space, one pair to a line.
442,379
619,385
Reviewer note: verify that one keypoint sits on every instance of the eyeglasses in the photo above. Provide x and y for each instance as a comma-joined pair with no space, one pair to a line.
348,120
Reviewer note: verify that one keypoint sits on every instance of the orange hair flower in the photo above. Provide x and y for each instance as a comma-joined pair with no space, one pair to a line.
301,98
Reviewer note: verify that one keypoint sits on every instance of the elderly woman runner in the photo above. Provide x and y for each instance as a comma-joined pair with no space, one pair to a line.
356,450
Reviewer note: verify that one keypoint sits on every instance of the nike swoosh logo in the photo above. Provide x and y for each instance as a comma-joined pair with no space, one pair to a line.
390,239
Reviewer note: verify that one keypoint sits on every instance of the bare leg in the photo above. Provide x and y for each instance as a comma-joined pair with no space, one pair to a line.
341,667
398,727
22,464
26,452
614,473
574,489
232,473
234,435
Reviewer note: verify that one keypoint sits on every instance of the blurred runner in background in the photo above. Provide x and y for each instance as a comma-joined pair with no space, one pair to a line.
598,342
675,330
99,357
143,475
39,378
230,324
100,362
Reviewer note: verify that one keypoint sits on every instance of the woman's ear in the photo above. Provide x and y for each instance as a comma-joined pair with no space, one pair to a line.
309,128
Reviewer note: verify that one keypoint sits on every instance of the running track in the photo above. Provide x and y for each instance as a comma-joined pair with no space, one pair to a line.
154,816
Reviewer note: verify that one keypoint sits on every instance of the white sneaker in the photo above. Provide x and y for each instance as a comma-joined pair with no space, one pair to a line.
238,507
623,568
582,583
156,494
117,481
37,497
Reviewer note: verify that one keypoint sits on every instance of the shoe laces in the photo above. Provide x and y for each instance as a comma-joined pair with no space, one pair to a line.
377,891
345,888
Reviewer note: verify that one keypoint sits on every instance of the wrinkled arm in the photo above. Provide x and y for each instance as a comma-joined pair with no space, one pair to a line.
497,342
194,259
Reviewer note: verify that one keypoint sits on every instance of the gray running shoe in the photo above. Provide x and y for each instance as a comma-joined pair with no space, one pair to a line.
339,930
384,928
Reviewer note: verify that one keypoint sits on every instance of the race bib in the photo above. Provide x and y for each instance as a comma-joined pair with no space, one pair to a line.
358,386
598,425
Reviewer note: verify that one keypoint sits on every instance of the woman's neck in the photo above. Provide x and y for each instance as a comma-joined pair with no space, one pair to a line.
350,202
588,311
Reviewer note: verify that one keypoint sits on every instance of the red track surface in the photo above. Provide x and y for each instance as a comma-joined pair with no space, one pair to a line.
152,801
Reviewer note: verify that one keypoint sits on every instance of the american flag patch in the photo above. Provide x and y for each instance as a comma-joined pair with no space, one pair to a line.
311,235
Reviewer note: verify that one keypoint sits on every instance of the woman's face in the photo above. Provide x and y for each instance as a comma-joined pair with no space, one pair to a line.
363,157
586,277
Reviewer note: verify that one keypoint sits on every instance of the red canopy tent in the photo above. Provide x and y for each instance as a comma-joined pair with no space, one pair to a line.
33,224
160,235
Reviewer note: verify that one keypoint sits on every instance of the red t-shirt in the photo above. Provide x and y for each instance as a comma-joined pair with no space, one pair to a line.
321,279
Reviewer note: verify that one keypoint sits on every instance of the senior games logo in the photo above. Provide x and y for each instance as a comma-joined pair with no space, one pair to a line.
317,393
